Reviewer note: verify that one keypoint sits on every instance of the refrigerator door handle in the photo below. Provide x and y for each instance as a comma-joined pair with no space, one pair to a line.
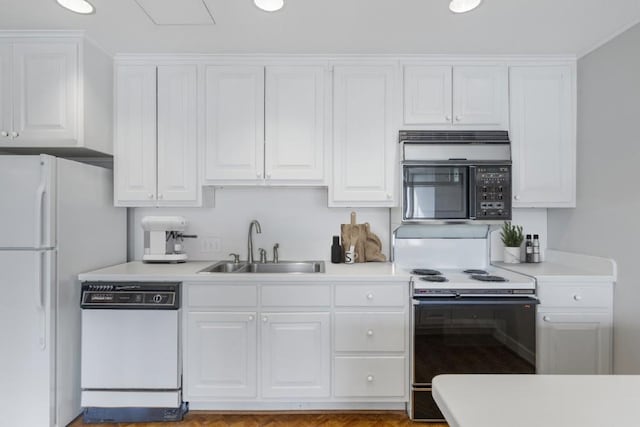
40,301
39,204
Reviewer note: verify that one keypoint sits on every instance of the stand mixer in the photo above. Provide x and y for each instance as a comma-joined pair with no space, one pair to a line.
163,237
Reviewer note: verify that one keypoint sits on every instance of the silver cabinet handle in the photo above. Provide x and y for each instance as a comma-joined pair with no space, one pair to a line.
265,319
546,318
370,378
159,195
150,195
577,297
251,317
370,332
369,295
458,118
14,134
259,174
516,197
389,196
447,118
269,175
4,133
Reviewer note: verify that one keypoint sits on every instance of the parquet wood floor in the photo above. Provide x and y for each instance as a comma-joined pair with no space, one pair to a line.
271,419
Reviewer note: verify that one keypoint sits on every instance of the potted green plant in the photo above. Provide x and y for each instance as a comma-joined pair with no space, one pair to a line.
512,238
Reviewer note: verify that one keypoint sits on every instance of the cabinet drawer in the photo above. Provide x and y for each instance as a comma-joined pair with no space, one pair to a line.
222,296
381,331
370,377
555,295
298,295
371,295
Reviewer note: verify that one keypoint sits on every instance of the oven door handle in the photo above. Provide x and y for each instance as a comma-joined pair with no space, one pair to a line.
476,301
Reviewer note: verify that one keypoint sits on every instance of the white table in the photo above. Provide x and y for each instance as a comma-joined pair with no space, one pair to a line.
539,400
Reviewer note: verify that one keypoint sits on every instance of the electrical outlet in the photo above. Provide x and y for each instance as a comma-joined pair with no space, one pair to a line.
210,244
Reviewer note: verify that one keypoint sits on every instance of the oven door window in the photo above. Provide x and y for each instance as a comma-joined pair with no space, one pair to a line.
480,336
435,192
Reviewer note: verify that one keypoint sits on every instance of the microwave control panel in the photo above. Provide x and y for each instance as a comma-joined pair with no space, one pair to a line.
493,192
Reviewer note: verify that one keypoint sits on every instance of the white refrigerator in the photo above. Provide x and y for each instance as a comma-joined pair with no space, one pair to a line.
56,220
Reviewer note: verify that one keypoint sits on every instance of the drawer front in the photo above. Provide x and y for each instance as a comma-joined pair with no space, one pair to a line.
298,295
213,295
372,331
556,295
370,377
373,295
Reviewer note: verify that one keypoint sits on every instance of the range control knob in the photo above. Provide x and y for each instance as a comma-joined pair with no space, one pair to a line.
157,298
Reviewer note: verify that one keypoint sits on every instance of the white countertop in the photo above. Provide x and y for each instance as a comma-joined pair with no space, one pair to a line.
539,400
564,266
188,272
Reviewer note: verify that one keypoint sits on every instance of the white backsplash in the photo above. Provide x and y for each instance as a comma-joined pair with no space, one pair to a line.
296,218
533,221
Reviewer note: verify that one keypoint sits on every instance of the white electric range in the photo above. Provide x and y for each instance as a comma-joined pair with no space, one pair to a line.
467,316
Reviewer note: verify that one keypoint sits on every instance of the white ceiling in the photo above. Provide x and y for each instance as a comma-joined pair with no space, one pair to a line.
344,26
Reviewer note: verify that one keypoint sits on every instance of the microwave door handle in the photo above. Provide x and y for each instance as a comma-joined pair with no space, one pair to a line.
472,192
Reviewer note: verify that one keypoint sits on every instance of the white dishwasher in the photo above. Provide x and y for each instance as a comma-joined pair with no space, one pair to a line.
131,364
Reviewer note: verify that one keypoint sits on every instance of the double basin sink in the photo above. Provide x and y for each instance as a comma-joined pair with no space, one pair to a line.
257,267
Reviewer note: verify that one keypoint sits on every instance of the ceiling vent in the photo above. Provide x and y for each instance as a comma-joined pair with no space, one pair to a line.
177,12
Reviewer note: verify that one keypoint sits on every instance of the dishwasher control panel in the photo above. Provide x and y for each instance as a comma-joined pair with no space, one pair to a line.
130,295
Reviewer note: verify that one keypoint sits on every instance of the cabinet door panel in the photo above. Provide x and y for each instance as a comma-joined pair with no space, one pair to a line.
542,137
294,123
5,92
45,92
574,343
364,142
177,140
234,142
480,96
295,355
427,95
221,355
135,135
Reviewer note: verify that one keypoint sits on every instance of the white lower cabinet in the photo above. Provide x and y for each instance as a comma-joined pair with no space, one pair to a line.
269,346
574,343
370,376
221,355
295,355
574,328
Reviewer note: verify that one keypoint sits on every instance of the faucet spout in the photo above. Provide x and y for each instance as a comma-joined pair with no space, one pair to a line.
258,229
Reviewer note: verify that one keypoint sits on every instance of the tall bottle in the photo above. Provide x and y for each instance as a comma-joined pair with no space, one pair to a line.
336,251
536,249
528,249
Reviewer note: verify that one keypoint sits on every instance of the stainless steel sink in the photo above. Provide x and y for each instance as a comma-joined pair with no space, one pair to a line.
286,267
225,267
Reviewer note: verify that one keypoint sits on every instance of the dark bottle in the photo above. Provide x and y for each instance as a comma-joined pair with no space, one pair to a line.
336,251
536,249
528,247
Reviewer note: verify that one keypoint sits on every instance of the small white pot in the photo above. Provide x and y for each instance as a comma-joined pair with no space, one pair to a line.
512,255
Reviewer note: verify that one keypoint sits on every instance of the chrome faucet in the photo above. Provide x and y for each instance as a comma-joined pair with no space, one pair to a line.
275,253
250,239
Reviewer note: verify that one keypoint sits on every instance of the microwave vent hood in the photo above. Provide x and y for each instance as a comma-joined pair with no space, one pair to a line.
484,145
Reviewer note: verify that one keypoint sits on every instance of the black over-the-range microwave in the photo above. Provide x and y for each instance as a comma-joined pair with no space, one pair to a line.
455,175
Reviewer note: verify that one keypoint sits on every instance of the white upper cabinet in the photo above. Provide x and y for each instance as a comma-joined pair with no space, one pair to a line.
177,139
427,95
156,136
264,131
442,97
135,135
55,93
234,117
45,91
294,144
364,136
543,136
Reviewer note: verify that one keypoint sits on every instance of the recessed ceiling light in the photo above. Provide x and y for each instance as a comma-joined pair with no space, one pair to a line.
78,6
269,5
462,6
